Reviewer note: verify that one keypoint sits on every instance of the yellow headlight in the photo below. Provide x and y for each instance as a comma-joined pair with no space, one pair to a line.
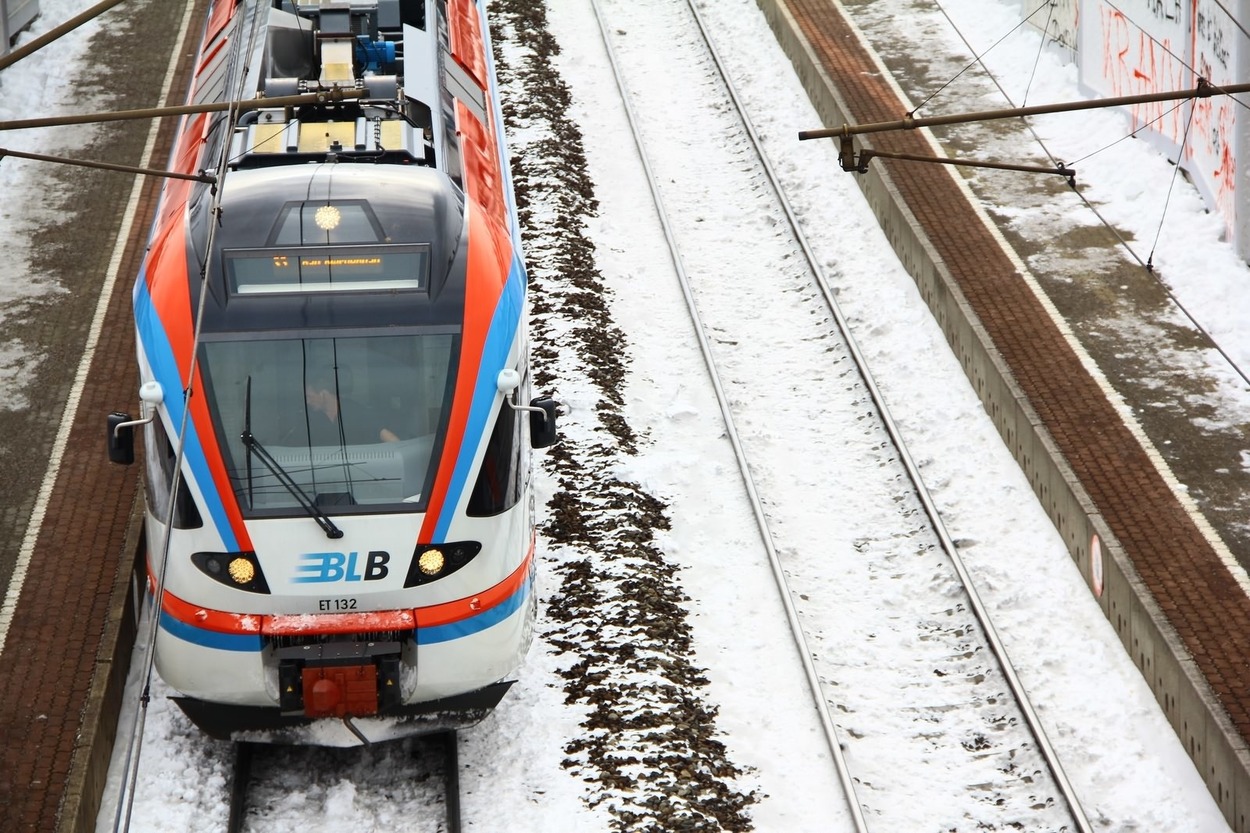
431,562
242,571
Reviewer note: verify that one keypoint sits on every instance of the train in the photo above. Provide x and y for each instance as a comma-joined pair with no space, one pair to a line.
335,399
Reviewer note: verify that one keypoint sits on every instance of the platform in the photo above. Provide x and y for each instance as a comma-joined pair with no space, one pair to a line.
72,544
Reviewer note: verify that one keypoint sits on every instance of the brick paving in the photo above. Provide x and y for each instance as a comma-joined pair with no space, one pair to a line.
61,645
1182,570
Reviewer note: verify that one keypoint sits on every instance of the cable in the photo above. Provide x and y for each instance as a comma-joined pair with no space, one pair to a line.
1233,19
1167,290
1132,134
1176,169
134,752
977,58
1038,58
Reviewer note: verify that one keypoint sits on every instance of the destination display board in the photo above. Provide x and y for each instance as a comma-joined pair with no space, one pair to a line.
327,269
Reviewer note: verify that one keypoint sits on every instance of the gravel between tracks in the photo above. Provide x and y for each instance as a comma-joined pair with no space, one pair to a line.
650,744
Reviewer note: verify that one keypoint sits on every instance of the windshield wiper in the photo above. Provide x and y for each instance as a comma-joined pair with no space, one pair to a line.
253,445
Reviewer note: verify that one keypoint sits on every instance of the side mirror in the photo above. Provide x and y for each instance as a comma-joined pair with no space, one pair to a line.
121,438
543,431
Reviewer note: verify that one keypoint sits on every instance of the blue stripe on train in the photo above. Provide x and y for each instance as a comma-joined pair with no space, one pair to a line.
425,636
165,370
248,642
484,620
503,331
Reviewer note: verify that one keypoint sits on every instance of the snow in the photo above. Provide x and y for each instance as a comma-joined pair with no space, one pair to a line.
30,88
1124,759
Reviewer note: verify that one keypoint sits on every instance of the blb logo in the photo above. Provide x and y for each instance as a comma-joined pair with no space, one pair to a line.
325,567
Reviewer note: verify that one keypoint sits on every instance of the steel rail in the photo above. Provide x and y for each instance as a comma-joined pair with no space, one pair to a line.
978,607
240,779
805,653
913,472
451,778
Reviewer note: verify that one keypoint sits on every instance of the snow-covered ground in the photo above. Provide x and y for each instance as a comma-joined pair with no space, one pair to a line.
33,87
1124,760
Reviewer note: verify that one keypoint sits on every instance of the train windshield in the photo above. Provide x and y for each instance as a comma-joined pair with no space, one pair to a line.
348,424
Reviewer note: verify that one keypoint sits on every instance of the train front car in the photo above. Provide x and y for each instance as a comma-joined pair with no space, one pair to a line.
350,532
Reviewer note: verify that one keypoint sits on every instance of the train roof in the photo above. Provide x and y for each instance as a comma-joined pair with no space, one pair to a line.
396,205
415,70
387,164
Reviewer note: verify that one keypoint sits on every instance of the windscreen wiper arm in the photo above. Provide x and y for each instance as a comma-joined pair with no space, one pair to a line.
322,519
253,446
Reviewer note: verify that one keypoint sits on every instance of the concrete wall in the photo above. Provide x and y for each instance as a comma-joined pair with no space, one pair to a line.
1213,743
1136,47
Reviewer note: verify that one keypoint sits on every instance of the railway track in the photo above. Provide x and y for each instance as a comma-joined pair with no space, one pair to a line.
887,580
262,777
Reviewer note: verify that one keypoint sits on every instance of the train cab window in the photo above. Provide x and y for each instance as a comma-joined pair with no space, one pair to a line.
354,421
502,477
159,476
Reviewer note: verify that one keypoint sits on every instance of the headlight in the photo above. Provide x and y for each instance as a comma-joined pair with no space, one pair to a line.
239,570
431,562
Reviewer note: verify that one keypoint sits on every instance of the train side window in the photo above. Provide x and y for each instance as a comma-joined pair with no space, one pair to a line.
501,479
159,464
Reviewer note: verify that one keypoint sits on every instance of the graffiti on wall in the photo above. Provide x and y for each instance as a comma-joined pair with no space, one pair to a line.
1137,47
1056,19
1146,55
1210,153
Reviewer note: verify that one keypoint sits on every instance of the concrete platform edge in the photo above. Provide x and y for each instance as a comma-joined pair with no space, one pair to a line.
1213,743
88,773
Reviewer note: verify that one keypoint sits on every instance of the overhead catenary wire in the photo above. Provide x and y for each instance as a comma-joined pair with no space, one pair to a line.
975,61
1167,290
242,46
1130,135
1235,21
1176,169
1037,59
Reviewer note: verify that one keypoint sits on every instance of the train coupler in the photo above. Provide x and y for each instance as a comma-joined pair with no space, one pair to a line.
339,679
